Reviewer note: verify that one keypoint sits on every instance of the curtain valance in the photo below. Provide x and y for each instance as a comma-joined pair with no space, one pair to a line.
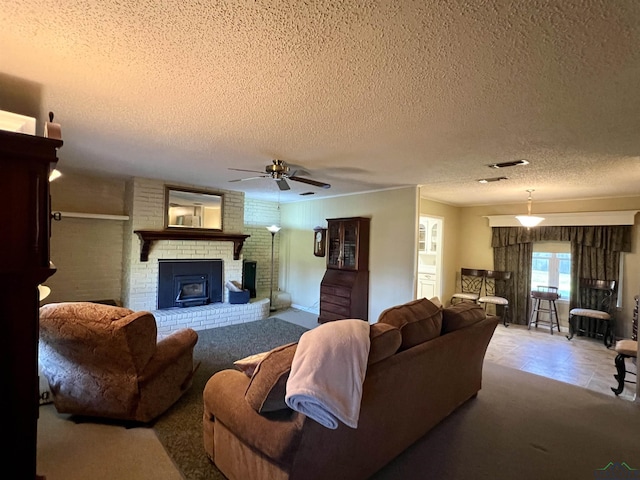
613,238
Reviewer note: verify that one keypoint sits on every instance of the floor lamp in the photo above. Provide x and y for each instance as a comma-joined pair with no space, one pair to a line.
273,229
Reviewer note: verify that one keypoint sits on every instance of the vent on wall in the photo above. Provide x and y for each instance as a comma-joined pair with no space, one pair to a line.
508,164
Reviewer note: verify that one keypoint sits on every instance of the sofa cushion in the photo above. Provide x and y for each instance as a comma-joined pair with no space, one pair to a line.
461,315
418,321
385,341
267,387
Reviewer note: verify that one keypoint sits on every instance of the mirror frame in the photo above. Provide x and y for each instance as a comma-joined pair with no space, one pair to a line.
199,196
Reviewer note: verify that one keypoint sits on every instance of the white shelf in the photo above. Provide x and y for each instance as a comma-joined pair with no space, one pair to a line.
98,216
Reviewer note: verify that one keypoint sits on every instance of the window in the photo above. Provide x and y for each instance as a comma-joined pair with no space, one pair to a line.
552,268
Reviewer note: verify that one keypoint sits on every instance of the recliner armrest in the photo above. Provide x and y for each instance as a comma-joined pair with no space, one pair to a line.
168,350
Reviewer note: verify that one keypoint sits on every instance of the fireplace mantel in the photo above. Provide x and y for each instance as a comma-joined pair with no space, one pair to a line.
149,236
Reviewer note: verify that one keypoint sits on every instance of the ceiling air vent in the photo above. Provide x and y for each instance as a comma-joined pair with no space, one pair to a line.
494,179
508,164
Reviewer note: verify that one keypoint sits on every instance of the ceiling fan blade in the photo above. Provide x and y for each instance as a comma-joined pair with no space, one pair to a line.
315,183
248,178
282,184
243,170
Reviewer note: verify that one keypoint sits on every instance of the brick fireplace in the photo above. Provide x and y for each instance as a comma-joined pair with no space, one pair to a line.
145,204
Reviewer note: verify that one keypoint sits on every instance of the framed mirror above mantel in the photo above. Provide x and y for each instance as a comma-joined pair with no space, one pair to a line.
191,214
191,209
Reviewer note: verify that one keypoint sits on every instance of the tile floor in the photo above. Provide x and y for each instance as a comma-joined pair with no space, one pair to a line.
581,361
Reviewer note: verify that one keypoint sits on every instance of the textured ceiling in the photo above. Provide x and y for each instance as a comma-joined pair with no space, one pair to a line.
362,95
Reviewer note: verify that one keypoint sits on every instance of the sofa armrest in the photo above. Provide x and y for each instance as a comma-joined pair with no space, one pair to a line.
169,350
274,434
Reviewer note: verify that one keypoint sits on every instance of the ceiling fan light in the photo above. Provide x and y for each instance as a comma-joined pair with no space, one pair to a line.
529,220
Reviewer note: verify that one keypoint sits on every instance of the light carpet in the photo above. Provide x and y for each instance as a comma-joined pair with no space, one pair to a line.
527,427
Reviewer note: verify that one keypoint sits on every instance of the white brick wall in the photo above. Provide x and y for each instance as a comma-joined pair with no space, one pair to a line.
258,215
209,316
100,259
145,201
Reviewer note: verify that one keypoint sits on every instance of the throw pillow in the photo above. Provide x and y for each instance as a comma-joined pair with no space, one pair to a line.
267,387
461,315
418,321
436,301
385,341
247,365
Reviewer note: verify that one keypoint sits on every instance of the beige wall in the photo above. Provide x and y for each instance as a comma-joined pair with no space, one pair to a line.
392,254
450,241
473,247
87,252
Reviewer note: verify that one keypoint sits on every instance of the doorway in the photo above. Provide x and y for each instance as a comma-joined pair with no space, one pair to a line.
429,257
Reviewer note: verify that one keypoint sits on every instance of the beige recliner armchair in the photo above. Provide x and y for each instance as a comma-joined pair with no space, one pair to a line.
106,361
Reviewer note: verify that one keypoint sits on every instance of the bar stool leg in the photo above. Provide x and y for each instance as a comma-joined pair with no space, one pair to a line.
555,312
620,367
534,312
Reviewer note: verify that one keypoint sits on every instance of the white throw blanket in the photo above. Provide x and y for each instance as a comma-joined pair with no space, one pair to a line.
327,372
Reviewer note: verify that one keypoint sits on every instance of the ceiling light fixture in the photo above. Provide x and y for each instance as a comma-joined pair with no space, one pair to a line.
529,220
508,164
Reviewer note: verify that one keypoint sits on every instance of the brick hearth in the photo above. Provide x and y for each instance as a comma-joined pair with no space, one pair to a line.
203,317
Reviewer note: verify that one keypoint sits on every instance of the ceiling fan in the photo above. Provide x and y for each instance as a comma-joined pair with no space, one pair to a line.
279,171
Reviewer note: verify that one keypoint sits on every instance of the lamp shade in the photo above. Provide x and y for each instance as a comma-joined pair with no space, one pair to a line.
529,220
273,229
54,174
43,292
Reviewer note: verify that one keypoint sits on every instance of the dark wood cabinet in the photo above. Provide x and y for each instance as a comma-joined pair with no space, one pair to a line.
25,162
344,291
634,328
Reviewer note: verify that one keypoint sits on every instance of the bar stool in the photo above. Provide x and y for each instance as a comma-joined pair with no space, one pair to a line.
496,284
549,295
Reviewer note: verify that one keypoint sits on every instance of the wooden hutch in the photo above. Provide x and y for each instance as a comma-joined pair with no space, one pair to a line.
344,291
26,161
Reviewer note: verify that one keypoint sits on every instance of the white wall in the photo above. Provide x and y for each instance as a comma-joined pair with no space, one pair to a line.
392,252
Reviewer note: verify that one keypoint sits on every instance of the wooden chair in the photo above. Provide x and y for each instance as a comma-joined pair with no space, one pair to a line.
549,295
496,281
471,281
625,349
592,316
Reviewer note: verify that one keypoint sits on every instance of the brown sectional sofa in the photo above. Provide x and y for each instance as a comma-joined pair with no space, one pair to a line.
424,362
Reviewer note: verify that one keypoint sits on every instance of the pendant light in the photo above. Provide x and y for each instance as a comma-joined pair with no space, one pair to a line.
529,220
